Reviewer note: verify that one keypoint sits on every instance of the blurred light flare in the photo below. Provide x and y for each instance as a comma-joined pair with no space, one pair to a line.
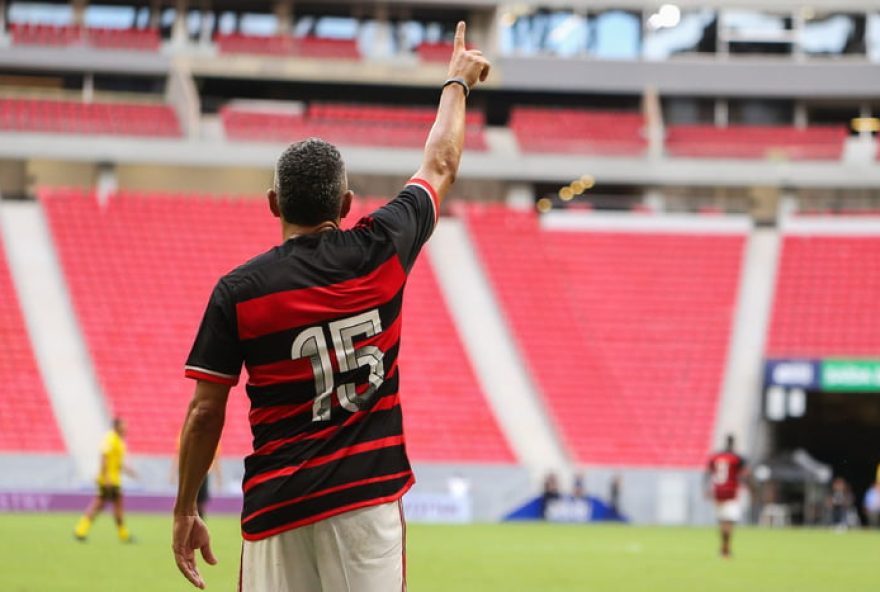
668,16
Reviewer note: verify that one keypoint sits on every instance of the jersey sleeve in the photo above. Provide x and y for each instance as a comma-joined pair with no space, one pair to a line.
216,355
409,219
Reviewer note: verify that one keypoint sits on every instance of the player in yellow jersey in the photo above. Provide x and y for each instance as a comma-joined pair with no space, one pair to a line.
109,484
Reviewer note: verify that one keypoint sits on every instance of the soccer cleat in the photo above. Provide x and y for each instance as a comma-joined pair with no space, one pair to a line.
124,535
82,529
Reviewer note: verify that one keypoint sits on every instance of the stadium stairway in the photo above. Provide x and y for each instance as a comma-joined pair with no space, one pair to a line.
499,370
60,351
739,413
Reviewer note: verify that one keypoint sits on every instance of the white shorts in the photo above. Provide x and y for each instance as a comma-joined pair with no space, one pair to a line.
359,551
728,511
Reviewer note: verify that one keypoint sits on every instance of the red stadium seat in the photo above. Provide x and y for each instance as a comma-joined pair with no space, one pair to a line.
827,300
27,421
60,116
287,46
58,35
139,301
434,52
706,141
345,124
628,380
578,131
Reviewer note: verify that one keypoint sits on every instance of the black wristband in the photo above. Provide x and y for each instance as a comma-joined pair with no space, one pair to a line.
459,80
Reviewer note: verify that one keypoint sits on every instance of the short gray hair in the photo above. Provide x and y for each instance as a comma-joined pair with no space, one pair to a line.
309,182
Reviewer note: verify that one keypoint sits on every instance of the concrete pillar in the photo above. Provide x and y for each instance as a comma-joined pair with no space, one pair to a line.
79,12
383,43
801,118
88,90
493,30
178,30
865,112
653,115
205,24
722,113
655,200
284,13
797,26
721,44
481,30
107,182
520,196
155,13
13,178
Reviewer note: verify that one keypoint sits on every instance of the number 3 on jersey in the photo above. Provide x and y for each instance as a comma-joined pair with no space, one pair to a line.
312,344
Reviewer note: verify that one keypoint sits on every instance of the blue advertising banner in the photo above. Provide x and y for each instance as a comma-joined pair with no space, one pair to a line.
804,374
566,508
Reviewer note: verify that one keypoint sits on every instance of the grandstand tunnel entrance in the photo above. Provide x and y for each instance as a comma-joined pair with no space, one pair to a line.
840,430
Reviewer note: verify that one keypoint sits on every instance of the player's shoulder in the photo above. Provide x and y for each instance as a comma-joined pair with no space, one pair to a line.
231,281
111,440
417,195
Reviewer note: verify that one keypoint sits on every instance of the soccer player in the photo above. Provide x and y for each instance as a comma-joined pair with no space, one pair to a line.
725,470
109,483
316,321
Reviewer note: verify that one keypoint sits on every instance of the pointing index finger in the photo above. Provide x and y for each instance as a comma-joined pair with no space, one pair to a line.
459,36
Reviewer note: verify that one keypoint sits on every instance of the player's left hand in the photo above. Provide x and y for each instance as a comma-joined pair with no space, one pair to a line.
191,533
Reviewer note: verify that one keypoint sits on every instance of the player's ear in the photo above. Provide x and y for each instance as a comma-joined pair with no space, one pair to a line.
347,197
273,203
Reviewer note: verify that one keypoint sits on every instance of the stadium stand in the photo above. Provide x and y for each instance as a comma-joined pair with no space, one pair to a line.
139,302
435,52
827,300
284,45
344,124
628,380
102,38
706,141
76,117
27,422
578,131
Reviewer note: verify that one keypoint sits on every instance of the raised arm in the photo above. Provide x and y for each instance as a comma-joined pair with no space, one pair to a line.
446,140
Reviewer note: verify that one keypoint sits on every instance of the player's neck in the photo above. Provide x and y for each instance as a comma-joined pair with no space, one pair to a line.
289,231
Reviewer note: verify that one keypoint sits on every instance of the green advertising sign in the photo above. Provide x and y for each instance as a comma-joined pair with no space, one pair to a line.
851,375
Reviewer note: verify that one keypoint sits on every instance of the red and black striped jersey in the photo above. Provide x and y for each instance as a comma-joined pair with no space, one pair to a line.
725,469
316,322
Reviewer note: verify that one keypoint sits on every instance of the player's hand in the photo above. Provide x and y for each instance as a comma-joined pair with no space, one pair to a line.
190,533
467,63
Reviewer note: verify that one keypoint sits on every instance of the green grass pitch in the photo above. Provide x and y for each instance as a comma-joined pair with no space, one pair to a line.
38,554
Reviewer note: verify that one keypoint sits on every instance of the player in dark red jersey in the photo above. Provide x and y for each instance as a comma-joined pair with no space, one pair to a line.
725,470
316,321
